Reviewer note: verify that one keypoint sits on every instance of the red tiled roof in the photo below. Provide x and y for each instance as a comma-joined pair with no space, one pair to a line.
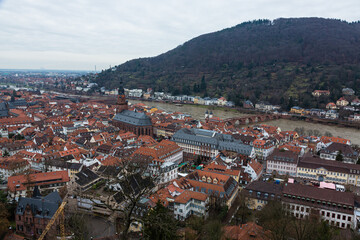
187,195
20,182
248,231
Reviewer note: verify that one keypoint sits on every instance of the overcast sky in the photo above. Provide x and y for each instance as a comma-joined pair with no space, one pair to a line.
79,34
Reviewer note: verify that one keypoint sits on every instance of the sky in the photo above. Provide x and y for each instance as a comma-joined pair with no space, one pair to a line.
82,34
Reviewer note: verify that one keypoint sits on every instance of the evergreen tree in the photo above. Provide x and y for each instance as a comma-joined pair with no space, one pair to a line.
160,224
203,84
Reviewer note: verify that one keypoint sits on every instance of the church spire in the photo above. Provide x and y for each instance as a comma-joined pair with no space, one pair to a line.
121,100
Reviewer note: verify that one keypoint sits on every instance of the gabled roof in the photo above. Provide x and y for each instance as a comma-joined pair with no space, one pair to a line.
322,194
283,156
20,182
248,231
85,177
187,195
41,207
346,150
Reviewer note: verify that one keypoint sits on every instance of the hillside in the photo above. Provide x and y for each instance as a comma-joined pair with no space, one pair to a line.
260,60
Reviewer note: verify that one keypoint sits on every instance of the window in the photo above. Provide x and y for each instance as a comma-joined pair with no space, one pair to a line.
338,216
349,218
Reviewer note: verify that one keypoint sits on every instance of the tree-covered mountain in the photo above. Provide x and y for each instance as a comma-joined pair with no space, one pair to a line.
259,60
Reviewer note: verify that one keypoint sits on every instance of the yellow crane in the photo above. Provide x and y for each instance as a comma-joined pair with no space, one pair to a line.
59,211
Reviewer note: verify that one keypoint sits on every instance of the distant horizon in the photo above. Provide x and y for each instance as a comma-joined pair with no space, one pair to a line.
46,70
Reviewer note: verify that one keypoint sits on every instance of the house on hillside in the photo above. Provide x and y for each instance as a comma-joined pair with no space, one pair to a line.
342,102
248,104
297,110
331,106
348,91
318,93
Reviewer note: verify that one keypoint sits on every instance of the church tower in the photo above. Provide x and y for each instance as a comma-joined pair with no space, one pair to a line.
121,103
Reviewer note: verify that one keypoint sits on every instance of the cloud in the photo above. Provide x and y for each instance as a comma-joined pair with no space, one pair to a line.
78,34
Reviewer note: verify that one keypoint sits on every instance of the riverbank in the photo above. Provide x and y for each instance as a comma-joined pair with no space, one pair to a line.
207,107
329,122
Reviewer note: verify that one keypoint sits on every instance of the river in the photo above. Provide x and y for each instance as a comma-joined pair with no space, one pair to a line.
198,112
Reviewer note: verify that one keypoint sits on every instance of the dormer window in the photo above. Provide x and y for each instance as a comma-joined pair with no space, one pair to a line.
209,180
204,178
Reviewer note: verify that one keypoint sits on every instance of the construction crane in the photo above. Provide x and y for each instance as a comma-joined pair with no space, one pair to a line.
59,211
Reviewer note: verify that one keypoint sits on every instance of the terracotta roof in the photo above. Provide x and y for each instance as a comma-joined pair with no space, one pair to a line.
187,195
334,139
69,152
294,149
256,166
161,195
20,182
248,231
12,162
213,167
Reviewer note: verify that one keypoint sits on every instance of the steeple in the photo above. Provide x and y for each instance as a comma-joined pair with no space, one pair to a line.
121,103
36,192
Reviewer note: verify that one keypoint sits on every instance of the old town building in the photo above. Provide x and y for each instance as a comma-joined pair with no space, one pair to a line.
33,214
136,122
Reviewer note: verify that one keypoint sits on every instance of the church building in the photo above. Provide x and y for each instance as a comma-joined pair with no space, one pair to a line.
136,122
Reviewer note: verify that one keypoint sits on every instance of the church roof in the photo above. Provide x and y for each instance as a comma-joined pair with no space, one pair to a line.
133,118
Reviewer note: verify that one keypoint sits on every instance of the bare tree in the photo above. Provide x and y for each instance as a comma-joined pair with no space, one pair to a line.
135,183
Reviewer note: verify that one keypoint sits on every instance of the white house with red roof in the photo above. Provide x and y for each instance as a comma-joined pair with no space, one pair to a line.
355,102
342,102
263,148
254,169
331,106
190,203
326,141
12,165
222,101
20,184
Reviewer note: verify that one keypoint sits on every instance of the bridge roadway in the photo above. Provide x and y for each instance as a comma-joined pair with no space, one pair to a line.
253,119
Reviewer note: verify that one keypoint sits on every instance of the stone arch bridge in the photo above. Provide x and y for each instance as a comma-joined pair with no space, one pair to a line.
252,119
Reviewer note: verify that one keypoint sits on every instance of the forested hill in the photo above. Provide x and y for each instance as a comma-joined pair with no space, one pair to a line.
258,60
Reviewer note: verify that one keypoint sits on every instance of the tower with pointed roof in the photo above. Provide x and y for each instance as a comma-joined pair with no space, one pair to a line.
121,103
